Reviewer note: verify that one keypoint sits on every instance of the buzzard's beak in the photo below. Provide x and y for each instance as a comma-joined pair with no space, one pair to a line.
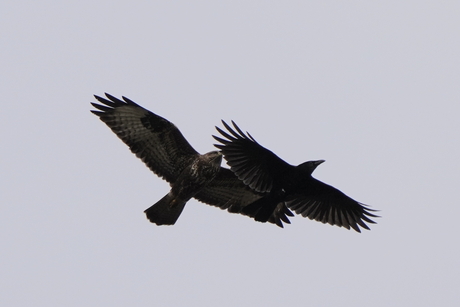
219,156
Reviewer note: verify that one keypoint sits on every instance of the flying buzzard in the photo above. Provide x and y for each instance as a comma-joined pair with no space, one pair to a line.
265,172
162,147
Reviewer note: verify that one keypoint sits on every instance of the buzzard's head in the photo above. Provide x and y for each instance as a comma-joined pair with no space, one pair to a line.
310,166
214,157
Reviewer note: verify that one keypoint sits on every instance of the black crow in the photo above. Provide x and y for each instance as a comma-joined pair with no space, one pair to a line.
265,172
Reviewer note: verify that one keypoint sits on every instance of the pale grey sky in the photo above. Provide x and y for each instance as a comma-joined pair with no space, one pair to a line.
372,87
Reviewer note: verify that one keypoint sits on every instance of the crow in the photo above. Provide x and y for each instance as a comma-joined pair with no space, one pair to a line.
283,183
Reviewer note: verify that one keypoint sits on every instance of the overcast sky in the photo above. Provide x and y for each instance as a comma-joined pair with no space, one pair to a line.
372,87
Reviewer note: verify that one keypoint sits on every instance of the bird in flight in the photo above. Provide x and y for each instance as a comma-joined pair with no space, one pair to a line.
280,182
165,151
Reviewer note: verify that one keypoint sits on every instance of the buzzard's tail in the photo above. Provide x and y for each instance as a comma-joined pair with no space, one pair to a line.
166,211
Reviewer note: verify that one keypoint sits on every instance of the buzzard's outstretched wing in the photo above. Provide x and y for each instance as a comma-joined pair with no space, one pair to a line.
153,139
229,193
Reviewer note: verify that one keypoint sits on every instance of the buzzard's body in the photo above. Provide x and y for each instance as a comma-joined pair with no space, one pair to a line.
283,183
162,147
201,171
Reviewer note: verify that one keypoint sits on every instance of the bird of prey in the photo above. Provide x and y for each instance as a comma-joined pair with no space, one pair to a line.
264,172
165,151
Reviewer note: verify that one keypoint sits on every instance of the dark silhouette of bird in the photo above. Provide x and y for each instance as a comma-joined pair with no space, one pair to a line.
165,151
264,172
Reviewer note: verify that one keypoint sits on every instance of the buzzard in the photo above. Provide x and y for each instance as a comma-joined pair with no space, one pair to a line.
165,151
264,172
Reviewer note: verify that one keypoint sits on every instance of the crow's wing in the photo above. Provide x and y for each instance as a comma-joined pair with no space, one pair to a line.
255,165
323,203
229,193
153,139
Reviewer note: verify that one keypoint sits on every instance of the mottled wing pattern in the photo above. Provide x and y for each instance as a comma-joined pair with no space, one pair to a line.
254,164
229,193
153,139
323,203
